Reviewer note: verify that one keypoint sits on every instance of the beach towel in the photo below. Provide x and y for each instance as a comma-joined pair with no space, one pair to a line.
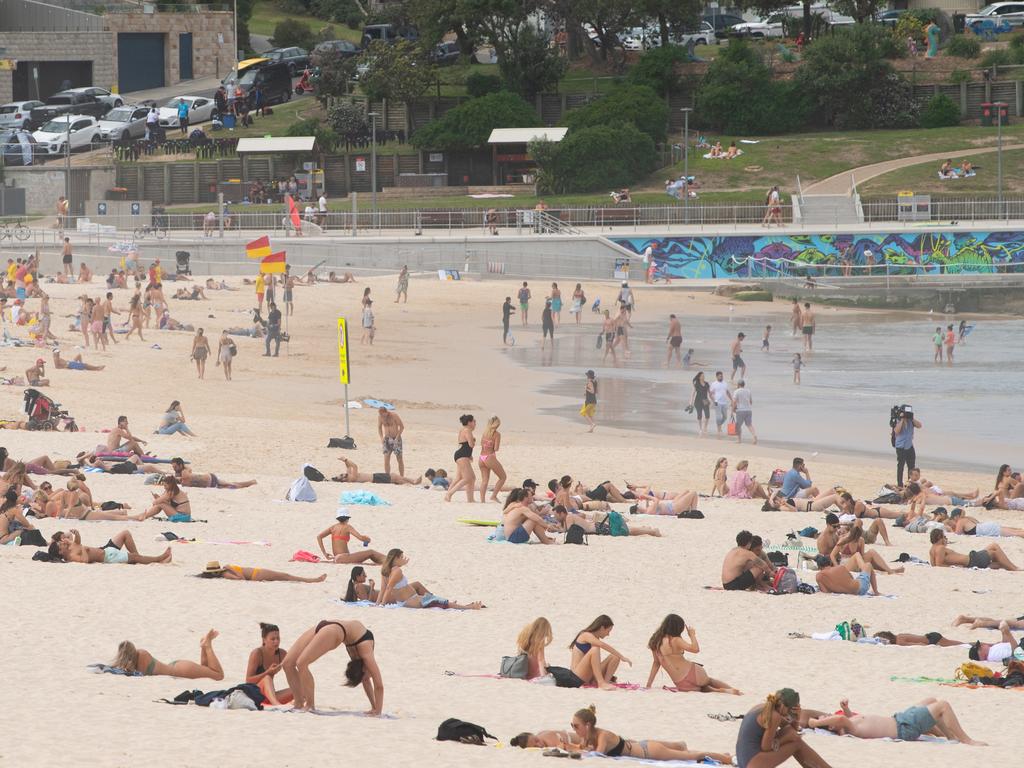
371,604
329,712
642,761
106,668
369,498
302,556
925,737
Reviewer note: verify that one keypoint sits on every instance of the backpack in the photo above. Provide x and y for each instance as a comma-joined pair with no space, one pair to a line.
786,581
565,678
576,535
454,729
889,498
516,667
123,468
301,490
232,349
341,442
616,524
778,558
312,473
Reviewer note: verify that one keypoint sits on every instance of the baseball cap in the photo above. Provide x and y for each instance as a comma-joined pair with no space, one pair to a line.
528,483
831,519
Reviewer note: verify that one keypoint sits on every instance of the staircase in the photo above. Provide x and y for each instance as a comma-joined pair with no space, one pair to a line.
829,210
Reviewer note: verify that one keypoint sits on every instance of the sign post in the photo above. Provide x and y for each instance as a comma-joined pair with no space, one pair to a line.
343,363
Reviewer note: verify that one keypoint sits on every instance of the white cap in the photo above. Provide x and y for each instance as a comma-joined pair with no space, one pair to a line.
847,519
341,512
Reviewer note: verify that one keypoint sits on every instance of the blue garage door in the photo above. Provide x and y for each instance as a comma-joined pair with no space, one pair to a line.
185,56
140,61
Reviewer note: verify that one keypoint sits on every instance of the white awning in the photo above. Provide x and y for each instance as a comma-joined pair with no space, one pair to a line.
526,135
276,145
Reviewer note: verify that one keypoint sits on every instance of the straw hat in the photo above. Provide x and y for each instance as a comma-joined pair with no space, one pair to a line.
213,567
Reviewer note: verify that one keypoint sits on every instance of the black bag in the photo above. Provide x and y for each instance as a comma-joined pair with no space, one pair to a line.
889,498
691,514
313,474
32,538
123,468
565,678
600,340
454,729
778,558
106,506
576,535
342,442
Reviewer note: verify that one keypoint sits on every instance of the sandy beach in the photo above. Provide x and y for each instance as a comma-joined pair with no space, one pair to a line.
436,357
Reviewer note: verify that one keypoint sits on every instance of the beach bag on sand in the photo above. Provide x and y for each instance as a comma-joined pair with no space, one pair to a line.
123,468
777,477
301,490
778,558
313,474
786,581
575,535
970,670
454,729
888,498
565,678
616,524
516,667
32,538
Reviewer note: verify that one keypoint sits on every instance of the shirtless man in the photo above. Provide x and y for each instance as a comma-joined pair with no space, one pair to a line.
807,324
96,324
736,350
742,569
796,317
675,340
608,326
926,717
69,547
519,520
390,429
590,525
36,375
622,325
190,479
827,540
108,313
839,580
996,652
74,364
941,556
353,475
121,439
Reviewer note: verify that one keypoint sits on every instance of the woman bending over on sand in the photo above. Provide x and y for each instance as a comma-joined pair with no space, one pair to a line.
743,486
769,735
359,587
719,484
173,502
215,570
324,638
464,459
592,738
490,442
265,662
532,640
397,589
586,648
852,543
132,659
667,647
684,502
341,533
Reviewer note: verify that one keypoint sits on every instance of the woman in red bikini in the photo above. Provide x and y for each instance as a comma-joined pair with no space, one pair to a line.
667,647
341,533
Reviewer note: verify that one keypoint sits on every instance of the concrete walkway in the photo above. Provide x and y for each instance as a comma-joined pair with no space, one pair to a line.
840,183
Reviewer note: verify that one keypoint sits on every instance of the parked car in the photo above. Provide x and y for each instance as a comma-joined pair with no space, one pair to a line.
444,53
274,78
703,35
343,48
54,136
722,23
16,114
100,94
67,103
889,18
1013,13
121,123
296,58
200,109
388,33
769,26
17,147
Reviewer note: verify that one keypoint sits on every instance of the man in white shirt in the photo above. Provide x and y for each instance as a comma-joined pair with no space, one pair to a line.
722,399
322,210
743,410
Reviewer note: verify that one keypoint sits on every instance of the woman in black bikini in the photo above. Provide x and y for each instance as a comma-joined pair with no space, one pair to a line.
323,638
360,587
592,738
173,501
265,662
464,459
586,654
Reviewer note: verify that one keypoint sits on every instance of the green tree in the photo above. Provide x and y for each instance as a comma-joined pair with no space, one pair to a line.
243,10
657,69
289,32
347,121
397,71
860,10
436,18
627,104
336,73
531,66
673,16
469,125
326,138
609,18
598,157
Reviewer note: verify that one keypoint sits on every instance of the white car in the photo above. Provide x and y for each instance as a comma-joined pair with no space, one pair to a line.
770,26
100,94
703,35
54,136
124,123
200,109
1013,13
16,114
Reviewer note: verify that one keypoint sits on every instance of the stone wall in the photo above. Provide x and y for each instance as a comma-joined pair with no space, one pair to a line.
97,47
44,184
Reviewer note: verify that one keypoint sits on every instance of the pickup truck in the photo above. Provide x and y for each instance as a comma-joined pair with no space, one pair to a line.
68,103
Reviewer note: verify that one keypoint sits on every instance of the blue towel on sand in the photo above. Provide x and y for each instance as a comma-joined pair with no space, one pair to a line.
368,498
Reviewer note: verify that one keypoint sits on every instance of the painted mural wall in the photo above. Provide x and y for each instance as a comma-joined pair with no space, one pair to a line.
799,255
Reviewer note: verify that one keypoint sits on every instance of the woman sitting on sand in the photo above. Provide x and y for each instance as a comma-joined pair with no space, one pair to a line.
341,533
360,588
12,522
532,640
719,484
173,421
769,734
595,739
465,478
132,659
397,589
215,570
684,502
743,486
265,662
852,544
586,648
173,502
667,647
16,478
362,667
969,526
490,443
928,717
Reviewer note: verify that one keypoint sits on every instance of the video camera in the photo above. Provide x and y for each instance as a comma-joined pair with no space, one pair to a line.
900,412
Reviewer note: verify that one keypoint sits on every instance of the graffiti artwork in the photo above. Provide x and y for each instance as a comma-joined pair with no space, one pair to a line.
800,255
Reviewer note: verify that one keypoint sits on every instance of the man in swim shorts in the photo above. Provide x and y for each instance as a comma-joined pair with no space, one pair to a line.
929,717
807,323
75,364
737,357
941,556
119,549
675,339
742,569
121,439
353,475
390,429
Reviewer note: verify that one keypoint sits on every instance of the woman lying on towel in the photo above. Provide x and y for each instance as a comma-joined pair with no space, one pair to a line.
215,570
397,589
132,659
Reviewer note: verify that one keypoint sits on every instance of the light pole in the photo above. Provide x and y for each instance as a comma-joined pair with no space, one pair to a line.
67,164
686,163
373,161
999,154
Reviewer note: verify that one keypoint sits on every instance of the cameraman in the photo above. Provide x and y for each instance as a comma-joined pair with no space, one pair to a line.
903,441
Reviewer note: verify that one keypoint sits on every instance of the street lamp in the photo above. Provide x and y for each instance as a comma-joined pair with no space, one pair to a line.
373,161
686,162
999,105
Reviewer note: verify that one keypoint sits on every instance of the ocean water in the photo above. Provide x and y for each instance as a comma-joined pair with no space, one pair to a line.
861,366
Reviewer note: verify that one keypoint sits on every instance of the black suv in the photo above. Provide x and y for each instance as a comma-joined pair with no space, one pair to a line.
342,48
296,58
723,22
67,103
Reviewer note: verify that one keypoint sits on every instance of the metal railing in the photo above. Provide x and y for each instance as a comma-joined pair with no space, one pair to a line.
951,210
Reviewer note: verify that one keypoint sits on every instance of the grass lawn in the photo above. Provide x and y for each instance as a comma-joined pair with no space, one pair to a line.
924,179
284,115
266,15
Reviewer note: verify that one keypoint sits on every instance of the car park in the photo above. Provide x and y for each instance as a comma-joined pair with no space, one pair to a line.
124,123
67,103
343,48
67,131
200,110
273,78
703,35
17,114
387,33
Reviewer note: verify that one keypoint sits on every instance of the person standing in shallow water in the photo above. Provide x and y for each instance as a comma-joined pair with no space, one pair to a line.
507,311
590,400
547,324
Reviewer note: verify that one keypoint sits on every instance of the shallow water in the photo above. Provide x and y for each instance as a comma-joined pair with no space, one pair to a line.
859,369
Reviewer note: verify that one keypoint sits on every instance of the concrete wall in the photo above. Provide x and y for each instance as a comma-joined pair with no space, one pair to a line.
43,185
97,47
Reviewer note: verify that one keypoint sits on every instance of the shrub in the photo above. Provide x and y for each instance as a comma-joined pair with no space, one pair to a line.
290,32
964,46
636,104
1017,42
396,72
478,84
531,66
909,25
326,138
657,69
354,20
939,112
997,57
347,120
892,104
597,157
469,125
958,76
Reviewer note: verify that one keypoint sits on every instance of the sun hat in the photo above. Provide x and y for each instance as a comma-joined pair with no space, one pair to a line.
213,567
343,513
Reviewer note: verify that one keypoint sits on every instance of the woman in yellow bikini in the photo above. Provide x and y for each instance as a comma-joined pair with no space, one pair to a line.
215,570
341,533
133,660
667,647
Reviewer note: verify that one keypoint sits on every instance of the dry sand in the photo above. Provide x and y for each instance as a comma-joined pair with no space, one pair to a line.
437,357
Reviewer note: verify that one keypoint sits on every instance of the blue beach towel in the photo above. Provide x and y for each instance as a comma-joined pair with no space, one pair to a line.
368,498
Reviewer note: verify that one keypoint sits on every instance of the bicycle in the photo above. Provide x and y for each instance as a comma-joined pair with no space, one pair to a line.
158,232
17,232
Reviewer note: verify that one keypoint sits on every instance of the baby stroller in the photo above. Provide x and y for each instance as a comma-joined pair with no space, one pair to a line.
46,415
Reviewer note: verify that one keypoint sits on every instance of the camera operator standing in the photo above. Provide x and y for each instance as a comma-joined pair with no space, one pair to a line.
903,425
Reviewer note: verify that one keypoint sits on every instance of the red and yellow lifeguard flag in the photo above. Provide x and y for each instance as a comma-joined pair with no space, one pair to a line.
274,264
258,248
293,212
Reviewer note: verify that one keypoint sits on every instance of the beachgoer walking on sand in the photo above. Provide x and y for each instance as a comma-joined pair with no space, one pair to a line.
261,289
226,351
506,315
743,410
135,317
524,302
950,342
464,459
556,303
795,317
675,340
807,323
390,428
773,203
608,328
579,300
368,323
722,398
736,350
626,300
402,288
590,399
766,340
289,293
490,443
62,221
621,333
200,351
700,403
273,330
